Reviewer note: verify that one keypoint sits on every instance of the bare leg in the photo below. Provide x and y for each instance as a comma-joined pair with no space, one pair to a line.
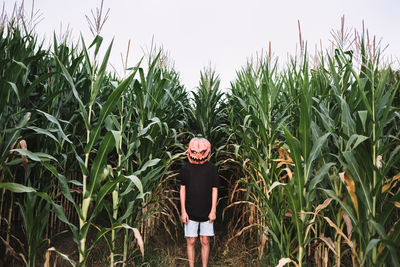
191,241
205,249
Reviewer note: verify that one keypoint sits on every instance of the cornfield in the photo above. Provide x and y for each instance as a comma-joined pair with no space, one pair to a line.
308,154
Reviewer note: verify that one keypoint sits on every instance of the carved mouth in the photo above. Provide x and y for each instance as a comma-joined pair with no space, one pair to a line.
199,160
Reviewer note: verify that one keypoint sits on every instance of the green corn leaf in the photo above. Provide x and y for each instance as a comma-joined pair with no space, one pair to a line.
320,174
100,75
75,93
43,132
15,89
372,243
96,42
106,189
296,208
135,180
75,182
361,82
81,164
59,211
117,137
63,182
99,162
20,64
15,162
15,134
45,156
35,83
354,169
382,83
55,121
127,212
304,127
35,156
392,249
17,188
388,108
104,231
298,176
149,163
108,107
347,209
347,121
315,151
86,55
379,228
358,140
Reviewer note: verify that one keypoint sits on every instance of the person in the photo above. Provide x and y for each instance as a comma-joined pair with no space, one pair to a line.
198,197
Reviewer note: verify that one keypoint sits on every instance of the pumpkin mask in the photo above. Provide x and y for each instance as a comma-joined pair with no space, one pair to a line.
199,150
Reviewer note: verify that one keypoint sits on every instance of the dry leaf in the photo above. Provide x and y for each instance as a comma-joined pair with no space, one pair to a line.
289,213
64,256
251,217
282,262
346,239
396,177
391,183
22,144
317,255
351,188
289,173
264,241
240,232
326,258
323,205
328,241
47,261
341,176
385,187
349,225
139,239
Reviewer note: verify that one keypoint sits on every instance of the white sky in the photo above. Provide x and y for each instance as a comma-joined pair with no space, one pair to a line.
223,33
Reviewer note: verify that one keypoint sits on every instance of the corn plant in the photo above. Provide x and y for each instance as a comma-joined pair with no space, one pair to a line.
35,212
151,128
328,118
304,152
207,116
93,171
23,69
369,127
255,119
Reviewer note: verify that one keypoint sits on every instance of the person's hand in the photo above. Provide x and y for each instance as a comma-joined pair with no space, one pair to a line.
212,216
184,217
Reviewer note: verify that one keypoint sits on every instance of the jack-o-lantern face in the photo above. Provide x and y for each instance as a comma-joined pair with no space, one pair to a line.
199,150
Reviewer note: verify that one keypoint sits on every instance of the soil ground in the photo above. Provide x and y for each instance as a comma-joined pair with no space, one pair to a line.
159,251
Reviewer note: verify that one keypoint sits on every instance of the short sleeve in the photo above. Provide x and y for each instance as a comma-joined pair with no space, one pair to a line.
182,177
215,180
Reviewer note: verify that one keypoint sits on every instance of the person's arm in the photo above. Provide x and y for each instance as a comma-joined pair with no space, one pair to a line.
184,215
213,213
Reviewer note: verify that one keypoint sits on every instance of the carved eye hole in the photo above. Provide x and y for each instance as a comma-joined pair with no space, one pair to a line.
193,152
203,151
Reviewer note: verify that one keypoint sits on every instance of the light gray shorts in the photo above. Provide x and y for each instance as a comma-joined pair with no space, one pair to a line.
192,228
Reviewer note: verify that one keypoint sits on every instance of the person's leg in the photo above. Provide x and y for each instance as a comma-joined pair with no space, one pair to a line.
191,241
191,233
206,230
205,249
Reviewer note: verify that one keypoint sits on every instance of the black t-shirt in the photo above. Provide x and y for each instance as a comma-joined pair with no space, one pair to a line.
199,179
